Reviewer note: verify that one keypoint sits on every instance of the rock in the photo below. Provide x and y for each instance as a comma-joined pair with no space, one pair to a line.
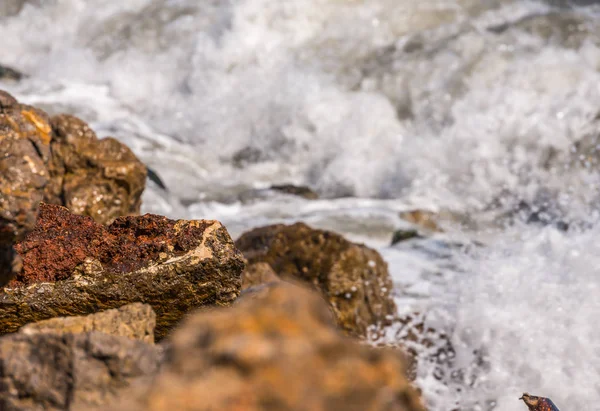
9,74
423,219
99,178
74,266
299,191
135,321
256,274
404,235
353,278
59,161
279,352
71,371
538,403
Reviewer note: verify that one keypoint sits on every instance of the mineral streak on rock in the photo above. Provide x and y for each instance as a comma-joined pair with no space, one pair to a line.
174,266
352,277
278,351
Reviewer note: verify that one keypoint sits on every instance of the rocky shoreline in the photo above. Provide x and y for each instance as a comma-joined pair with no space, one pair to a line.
276,320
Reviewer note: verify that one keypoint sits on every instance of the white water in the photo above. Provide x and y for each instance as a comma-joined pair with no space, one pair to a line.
381,106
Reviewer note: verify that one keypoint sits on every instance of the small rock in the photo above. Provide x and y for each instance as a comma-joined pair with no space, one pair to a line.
135,321
71,371
10,74
74,266
404,235
299,191
353,278
279,352
538,403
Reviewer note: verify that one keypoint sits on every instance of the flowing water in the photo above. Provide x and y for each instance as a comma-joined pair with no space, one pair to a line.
475,108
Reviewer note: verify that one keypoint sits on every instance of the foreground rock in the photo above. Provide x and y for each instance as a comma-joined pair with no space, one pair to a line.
59,160
71,371
135,321
353,278
280,351
74,266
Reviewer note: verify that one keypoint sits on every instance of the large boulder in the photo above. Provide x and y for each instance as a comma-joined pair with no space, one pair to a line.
353,278
75,266
136,321
59,160
71,371
279,351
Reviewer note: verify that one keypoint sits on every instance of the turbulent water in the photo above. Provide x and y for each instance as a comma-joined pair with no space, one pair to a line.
475,108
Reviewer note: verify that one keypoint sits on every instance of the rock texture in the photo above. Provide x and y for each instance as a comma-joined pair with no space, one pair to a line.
135,321
59,160
353,278
277,352
174,266
71,371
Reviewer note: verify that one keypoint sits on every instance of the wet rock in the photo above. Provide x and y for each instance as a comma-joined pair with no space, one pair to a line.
404,235
74,266
278,352
353,278
299,191
71,371
10,74
256,274
535,403
135,321
155,178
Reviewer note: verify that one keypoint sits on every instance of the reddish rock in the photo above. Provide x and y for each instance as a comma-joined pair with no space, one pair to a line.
59,161
353,278
281,351
62,240
74,266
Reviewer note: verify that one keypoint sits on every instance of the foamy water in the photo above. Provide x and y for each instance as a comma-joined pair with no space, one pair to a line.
381,106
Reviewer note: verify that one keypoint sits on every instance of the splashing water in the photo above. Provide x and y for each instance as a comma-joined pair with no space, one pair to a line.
381,106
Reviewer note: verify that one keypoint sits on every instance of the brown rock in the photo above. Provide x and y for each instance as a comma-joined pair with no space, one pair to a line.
353,278
99,178
256,274
135,321
59,161
71,371
174,266
279,352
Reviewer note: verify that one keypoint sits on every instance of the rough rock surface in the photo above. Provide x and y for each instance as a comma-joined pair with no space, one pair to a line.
278,352
353,278
135,321
99,178
258,273
174,266
71,371
59,160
